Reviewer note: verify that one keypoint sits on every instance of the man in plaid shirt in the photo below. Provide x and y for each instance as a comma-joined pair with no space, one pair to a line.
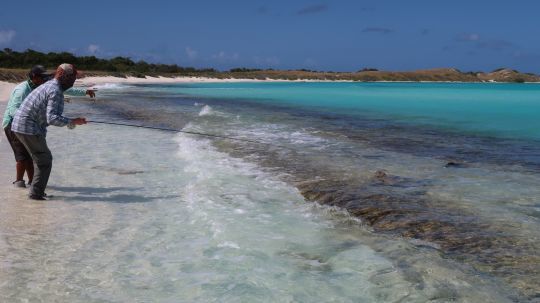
37,76
43,107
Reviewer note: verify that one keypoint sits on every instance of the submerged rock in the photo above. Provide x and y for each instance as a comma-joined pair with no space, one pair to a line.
455,164
457,233
119,171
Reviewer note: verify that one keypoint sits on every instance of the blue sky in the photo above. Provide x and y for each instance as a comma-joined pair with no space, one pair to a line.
322,35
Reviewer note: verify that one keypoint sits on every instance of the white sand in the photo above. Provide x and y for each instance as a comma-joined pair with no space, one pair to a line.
7,87
110,79
7,162
5,91
89,81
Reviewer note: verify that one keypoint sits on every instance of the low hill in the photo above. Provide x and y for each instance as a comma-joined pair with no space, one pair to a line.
507,75
14,66
432,75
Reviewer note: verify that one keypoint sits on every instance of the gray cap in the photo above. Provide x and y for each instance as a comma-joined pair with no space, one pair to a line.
40,71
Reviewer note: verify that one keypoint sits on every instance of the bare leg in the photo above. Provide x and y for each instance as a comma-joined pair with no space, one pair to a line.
20,170
29,167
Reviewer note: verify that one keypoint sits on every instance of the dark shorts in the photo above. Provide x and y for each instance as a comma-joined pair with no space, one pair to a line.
20,152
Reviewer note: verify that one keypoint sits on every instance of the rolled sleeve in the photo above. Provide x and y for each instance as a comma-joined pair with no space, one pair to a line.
55,108
76,91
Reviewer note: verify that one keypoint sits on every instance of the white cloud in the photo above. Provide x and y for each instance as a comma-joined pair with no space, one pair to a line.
474,37
223,56
6,36
220,55
465,37
93,48
191,53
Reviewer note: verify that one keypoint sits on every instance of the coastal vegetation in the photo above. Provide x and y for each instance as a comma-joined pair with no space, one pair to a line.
28,58
14,66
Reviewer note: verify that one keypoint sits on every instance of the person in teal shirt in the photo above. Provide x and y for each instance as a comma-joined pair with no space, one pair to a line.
37,76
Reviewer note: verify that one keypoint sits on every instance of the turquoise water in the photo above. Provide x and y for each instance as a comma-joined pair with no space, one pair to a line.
499,110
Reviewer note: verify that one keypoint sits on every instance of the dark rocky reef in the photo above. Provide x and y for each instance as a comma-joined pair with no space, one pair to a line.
457,233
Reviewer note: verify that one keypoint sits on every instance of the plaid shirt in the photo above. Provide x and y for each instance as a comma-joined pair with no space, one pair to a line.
43,107
21,91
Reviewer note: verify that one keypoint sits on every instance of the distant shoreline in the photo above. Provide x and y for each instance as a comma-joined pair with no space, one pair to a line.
87,81
439,75
7,86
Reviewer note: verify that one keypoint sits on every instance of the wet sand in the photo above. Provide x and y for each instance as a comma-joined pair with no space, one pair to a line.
5,91
6,155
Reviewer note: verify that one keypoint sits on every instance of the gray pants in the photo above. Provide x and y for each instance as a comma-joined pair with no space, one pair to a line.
40,153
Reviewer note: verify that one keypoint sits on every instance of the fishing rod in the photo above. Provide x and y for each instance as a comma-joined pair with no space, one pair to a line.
180,131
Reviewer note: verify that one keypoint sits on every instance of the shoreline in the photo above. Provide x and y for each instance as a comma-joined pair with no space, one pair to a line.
87,81
7,87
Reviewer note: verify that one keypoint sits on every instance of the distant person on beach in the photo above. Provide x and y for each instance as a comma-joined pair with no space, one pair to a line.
37,76
44,106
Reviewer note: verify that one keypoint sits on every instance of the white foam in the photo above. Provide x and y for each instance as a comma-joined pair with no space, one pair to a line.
207,110
111,86
229,245
280,134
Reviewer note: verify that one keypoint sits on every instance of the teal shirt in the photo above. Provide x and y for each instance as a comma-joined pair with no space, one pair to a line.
20,92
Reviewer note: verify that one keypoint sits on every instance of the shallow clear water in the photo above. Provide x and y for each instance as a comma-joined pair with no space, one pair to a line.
199,227
145,215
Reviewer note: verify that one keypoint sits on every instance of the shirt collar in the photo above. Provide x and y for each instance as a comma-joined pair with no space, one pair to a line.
31,84
57,83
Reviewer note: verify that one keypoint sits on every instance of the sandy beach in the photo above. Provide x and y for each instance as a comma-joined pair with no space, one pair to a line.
6,155
149,80
5,91
7,87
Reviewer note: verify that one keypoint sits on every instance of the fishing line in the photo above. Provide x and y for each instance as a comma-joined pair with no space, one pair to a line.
182,131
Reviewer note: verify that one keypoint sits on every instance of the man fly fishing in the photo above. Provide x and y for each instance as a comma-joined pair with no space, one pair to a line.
37,76
44,106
